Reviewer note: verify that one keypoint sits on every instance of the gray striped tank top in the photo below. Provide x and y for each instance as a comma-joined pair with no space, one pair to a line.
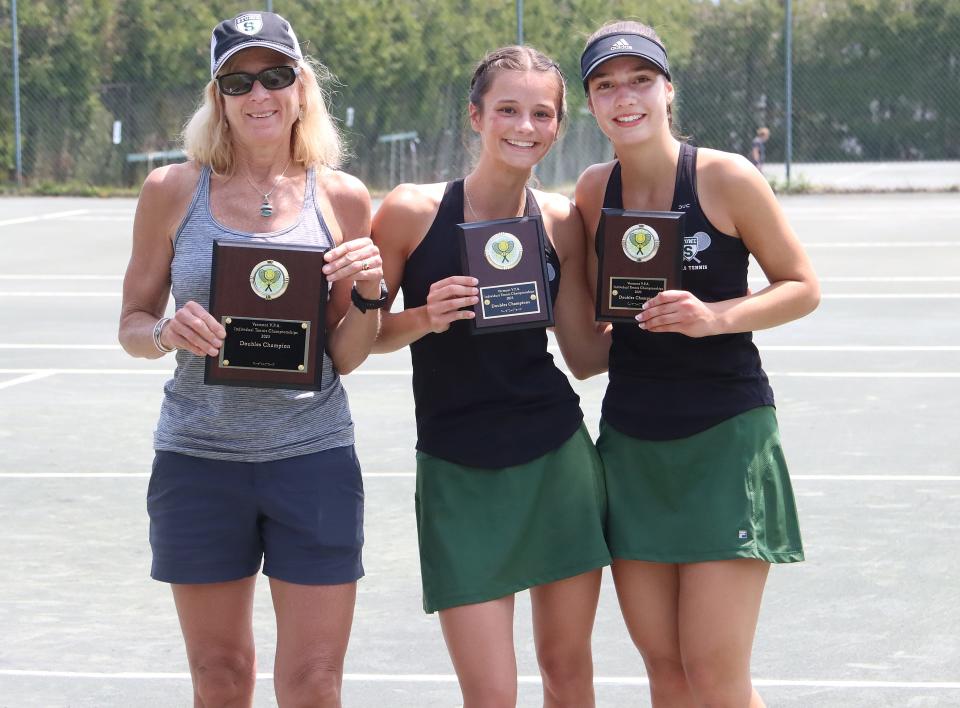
229,422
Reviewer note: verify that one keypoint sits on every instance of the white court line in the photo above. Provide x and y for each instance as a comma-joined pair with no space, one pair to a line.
107,372
800,212
26,379
76,475
887,296
44,217
451,678
91,217
876,477
849,348
880,279
98,347
868,374
880,244
53,276
60,293
554,349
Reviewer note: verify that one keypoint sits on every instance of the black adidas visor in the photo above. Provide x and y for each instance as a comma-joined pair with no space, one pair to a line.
619,45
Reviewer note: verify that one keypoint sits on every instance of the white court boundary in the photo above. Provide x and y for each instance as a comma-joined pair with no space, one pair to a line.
44,217
450,678
870,245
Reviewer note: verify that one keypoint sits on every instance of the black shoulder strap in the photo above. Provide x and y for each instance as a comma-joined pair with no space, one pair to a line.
531,207
613,197
451,205
685,189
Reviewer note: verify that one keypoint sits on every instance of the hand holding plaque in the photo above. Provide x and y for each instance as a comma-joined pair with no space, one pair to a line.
271,299
508,258
639,255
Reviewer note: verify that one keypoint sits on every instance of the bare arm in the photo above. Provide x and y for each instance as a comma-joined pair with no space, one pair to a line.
164,198
738,200
355,259
400,225
585,348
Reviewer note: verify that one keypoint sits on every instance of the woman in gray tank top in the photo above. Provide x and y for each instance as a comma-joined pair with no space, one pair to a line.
244,475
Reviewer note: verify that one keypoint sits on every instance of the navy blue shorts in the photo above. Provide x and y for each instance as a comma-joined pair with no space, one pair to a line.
214,520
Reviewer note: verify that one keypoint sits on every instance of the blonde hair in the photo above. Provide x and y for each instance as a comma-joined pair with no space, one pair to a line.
314,141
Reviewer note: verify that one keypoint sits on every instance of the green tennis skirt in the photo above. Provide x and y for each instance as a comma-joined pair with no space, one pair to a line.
720,494
488,533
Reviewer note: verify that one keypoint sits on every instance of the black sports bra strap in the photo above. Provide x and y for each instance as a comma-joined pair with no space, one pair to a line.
685,188
613,196
531,208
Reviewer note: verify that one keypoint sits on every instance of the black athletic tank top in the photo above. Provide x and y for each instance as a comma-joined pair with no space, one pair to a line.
666,385
491,400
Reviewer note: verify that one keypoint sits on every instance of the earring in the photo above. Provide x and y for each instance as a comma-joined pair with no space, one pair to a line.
300,116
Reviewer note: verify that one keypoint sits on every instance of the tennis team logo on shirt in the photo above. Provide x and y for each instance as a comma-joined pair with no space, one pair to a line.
693,245
640,243
269,279
503,251
249,24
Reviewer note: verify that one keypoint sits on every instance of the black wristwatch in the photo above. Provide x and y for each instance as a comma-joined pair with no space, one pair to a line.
363,304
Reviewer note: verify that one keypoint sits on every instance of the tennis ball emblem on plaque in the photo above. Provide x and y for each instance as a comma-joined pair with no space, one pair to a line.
640,243
269,279
503,250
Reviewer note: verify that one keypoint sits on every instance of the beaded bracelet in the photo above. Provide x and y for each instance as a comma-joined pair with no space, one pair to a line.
157,330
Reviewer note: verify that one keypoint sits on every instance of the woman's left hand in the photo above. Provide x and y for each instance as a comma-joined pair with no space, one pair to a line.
679,311
357,259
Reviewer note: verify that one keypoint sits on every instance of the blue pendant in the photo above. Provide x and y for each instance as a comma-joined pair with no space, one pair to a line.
266,209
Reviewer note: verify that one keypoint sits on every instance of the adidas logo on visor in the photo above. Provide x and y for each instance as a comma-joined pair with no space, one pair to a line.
620,45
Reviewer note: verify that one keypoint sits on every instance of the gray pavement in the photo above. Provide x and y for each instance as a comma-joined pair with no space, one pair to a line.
853,176
866,391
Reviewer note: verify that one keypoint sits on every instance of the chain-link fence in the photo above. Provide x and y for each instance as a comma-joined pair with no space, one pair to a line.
105,87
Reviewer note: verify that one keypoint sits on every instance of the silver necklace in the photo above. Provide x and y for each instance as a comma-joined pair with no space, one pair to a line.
473,211
266,208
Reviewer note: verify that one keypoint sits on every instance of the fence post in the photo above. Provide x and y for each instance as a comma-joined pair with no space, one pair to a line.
519,4
788,157
16,94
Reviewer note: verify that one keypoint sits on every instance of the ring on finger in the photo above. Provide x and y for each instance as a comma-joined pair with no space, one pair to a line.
365,265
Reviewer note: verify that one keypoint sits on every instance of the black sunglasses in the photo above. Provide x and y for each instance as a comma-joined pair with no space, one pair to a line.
274,79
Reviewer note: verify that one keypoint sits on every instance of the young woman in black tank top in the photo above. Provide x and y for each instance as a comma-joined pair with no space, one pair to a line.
699,497
509,486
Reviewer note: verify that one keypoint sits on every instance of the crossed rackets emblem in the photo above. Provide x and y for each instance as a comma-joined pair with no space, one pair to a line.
503,250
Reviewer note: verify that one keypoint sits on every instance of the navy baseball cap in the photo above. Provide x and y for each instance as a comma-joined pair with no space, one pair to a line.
251,29
618,45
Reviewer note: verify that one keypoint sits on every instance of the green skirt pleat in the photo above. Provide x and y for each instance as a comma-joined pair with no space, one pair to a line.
720,494
488,533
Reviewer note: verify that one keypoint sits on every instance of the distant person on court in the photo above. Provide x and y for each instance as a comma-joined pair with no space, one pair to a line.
758,148
244,474
700,501
509,491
